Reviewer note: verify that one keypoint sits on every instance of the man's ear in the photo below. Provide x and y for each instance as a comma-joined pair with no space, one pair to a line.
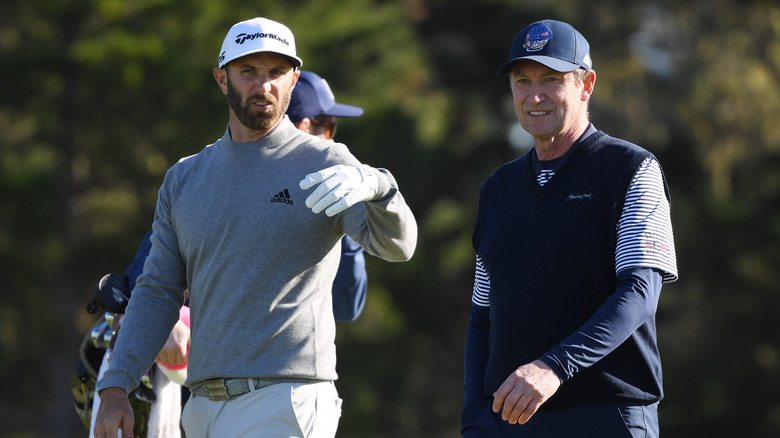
304,125
296,75
589,83
220,75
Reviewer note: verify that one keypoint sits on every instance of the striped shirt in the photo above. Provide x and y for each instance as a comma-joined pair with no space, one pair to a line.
644,230
544,176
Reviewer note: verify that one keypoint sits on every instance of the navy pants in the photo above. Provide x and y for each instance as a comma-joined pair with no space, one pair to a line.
601,420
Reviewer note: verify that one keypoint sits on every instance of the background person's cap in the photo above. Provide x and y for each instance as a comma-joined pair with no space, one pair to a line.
312,97
258,35
556,44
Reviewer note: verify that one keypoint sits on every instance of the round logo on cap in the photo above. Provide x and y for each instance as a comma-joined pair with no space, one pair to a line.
537,38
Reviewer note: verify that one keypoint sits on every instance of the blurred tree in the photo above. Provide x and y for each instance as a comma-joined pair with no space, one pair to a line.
100,97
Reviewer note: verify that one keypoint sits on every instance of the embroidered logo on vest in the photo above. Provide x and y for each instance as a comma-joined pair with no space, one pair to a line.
573,197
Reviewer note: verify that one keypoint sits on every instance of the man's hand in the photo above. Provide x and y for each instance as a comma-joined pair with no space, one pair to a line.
175,350
115,412
524,391
340,187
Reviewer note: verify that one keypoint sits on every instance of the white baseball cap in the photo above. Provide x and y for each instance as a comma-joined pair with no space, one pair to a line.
258,35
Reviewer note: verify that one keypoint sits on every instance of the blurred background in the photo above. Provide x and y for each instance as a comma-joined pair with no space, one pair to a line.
99,97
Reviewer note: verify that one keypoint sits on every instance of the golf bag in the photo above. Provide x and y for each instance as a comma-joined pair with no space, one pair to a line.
111,295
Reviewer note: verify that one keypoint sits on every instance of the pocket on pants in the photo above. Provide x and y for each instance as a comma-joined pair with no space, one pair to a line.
337,402
317,408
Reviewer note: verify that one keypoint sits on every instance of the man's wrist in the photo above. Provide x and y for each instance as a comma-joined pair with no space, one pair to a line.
547,363
112,391
384,184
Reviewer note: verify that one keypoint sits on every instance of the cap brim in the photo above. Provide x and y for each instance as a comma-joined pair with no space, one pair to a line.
294,60
341,110
554,63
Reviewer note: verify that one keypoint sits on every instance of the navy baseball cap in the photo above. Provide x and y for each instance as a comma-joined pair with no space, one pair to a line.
312,97
556,44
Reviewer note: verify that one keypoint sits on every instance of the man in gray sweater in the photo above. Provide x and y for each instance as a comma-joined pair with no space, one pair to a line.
251,226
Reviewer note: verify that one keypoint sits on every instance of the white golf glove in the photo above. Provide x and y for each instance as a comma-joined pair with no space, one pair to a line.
340,187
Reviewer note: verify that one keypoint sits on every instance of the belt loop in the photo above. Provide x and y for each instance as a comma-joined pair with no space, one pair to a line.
251,383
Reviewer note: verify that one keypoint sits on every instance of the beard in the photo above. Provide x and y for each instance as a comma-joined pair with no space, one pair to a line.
262,121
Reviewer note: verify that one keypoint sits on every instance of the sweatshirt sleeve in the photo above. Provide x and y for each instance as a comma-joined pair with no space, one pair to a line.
387,229
477,348
475,359
633,303
152,311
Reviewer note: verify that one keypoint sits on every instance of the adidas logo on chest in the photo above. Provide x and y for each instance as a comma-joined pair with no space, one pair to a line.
283,197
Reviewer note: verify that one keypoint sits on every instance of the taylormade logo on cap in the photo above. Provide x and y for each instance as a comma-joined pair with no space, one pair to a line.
255,36
243,37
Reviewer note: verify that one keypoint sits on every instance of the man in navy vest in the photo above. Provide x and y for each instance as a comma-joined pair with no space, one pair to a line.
573,241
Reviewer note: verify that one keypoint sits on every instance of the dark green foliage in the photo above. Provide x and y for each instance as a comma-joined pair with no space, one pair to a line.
100,97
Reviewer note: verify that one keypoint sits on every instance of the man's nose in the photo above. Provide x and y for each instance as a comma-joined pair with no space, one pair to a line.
263,82
536,94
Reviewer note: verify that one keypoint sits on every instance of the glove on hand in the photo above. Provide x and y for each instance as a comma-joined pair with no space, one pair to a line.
340,188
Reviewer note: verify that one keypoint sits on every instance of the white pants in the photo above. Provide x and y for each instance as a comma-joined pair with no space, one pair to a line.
282,410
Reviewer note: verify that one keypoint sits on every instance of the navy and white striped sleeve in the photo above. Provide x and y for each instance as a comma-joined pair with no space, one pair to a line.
481,294
644,231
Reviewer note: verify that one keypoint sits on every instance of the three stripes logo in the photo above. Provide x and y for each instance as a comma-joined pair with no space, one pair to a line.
283,197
